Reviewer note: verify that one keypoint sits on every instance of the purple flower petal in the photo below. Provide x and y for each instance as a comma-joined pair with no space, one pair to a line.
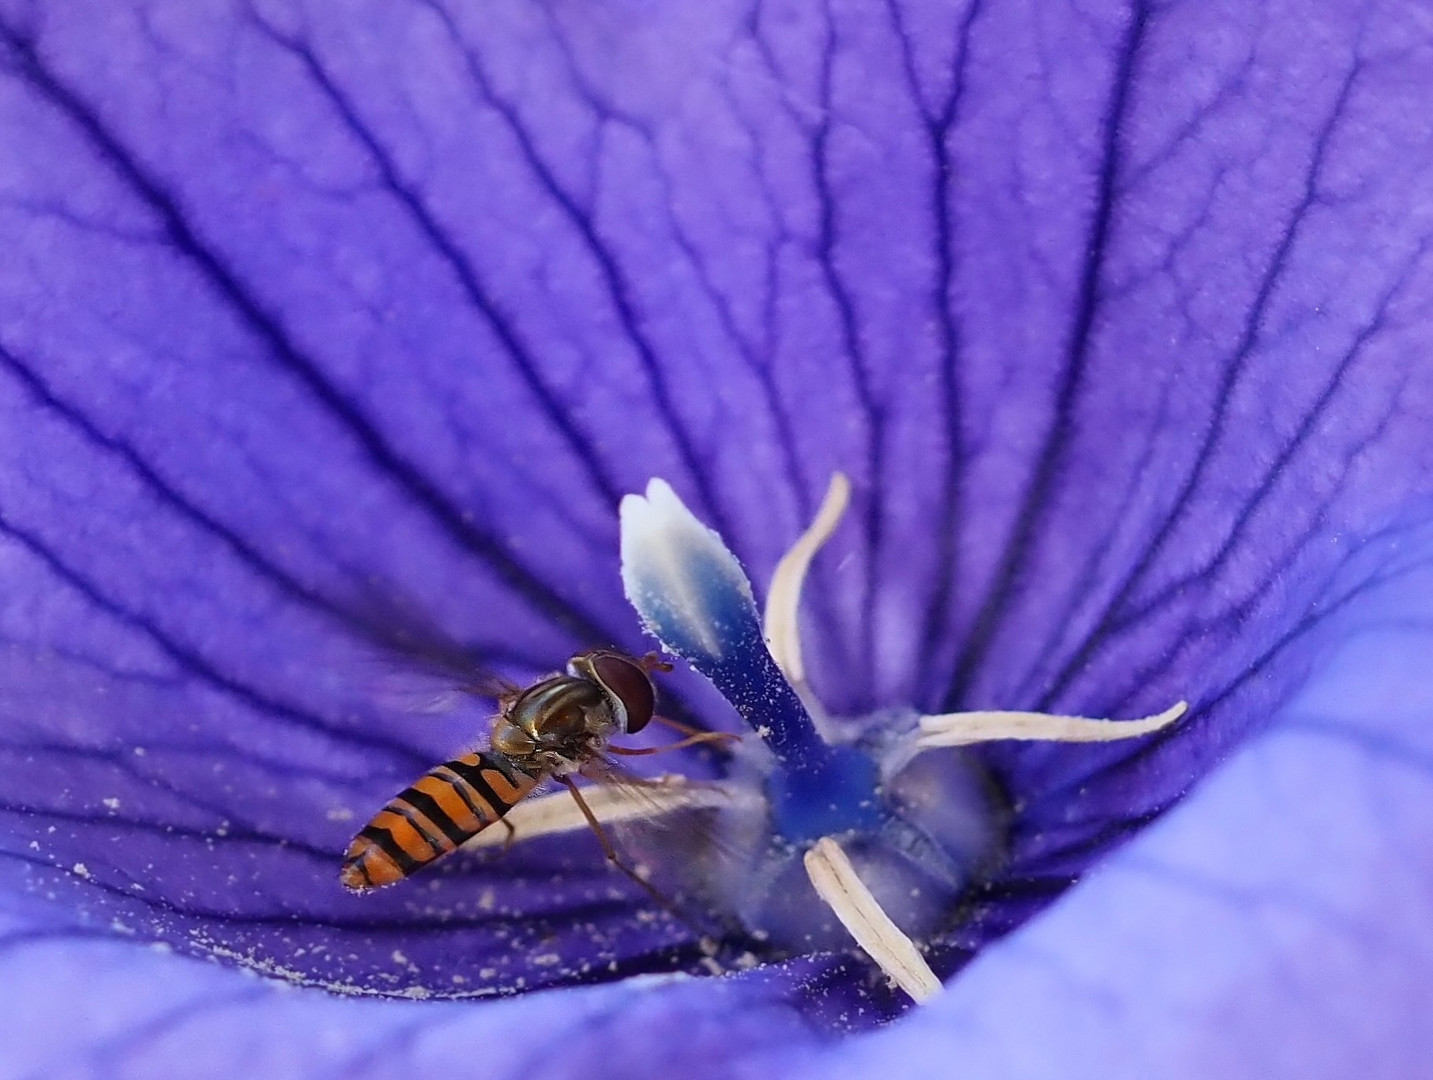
1255,932
1109,316
1273,926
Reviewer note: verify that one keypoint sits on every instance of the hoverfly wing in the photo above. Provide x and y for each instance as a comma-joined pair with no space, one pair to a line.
399,686
636,811
669,813
690,839
418,666
431,818
441,660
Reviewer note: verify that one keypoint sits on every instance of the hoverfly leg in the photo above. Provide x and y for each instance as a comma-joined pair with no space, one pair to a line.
609,850
512,834
691,740
677,725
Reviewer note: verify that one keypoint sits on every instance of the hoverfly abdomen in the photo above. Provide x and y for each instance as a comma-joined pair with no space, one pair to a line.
450,804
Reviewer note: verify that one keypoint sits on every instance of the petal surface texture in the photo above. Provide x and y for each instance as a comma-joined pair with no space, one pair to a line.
326,326
1253,933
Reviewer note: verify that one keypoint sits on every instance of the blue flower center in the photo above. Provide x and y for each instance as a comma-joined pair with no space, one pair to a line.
918,830
919,839
835,792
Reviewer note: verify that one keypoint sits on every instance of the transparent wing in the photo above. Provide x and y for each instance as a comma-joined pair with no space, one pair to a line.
416,666
684,839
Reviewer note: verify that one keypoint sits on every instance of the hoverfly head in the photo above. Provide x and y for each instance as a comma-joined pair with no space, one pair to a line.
624,683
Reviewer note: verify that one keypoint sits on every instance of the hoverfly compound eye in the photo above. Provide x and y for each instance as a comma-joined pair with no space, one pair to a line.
627,682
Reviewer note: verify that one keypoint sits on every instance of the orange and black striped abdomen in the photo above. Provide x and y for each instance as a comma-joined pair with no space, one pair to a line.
451,803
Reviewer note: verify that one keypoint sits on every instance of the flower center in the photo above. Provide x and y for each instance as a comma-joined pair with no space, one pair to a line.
855,812
826,830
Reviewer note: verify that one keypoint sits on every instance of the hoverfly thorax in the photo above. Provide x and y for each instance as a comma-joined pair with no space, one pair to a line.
559,710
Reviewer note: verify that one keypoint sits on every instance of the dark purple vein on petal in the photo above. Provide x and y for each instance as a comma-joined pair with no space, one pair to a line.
1100,836
940,124
762,372
1036,503
169,495
287,355
1094,562
189,660
1244,519
614,278
1193,126
464,271
357,622
1301,437
827,238
750,354
1238,363
1235,615
1319,614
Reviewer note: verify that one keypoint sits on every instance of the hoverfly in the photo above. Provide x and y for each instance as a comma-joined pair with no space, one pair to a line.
558,726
